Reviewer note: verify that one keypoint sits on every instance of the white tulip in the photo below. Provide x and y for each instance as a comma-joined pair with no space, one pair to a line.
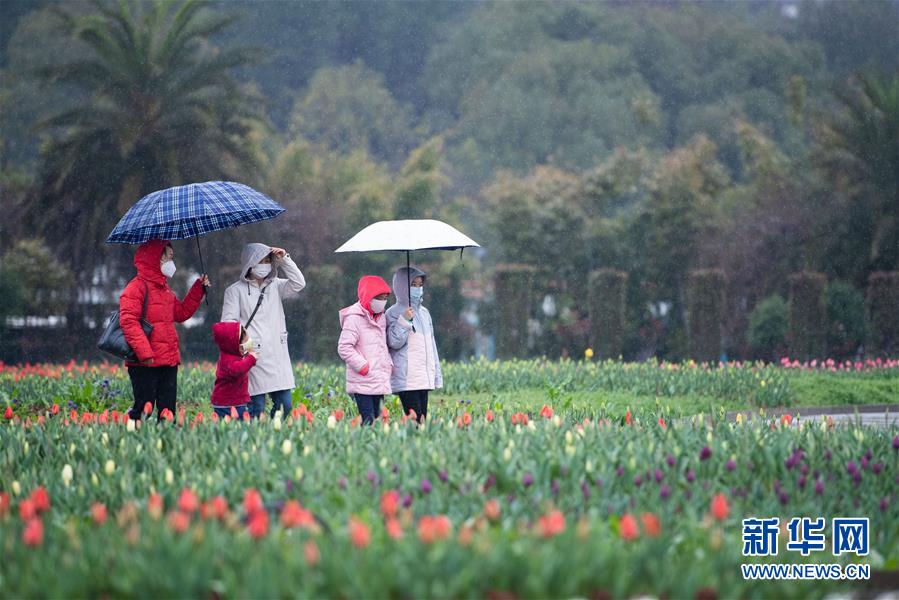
66,476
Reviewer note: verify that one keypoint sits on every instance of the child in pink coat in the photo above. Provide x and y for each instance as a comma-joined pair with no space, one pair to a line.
363,347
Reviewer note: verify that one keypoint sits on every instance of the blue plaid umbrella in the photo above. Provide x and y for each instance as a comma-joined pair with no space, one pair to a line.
193,210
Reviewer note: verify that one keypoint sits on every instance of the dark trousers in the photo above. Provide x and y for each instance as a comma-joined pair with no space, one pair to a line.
369,407
416,400
156,385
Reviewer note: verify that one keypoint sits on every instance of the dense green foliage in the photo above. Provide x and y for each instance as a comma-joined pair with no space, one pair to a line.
653,139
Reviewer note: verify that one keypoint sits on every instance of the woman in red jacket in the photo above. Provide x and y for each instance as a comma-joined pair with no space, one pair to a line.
154,377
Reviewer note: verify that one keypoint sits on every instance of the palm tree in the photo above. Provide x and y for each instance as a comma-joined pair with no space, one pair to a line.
155,105
858,147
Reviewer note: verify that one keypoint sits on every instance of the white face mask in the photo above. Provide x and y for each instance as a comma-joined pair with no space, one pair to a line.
417,293
168,268
377,306
261,271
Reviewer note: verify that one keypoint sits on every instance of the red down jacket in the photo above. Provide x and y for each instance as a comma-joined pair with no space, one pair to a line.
231,373
163,308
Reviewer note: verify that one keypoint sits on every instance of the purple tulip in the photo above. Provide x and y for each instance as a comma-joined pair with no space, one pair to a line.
659,475
372,477
527,480
407,500
827,455
851,468
884,504
425,486
777,486
670,460
638,480
555,487
876,468
619,471
801,482
705,453
443,476
804,469
288,486
869,455
857,477
896,443
585,490
664,492
691,476
731,465
819,487
341,483
864,462
491,481
784,498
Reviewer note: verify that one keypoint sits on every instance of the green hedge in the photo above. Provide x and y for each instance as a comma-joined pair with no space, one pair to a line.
608,288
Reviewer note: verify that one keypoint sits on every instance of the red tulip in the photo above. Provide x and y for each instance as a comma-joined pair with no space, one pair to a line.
98,513
390,503
33,534
258,524
720,509
651,524
360,536
627,528
552,524
41,499
188,501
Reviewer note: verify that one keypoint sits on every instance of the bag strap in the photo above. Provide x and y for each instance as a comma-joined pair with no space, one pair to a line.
258,304
143,314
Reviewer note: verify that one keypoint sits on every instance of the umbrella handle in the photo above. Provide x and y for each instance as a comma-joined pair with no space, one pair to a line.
409,286
203,269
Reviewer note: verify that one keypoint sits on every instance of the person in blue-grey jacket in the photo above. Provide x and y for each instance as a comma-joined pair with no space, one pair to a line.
413,347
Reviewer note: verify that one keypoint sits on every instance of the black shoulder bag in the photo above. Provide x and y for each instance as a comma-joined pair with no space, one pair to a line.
112,341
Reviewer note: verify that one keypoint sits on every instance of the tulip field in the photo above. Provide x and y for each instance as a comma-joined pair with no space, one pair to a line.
559,493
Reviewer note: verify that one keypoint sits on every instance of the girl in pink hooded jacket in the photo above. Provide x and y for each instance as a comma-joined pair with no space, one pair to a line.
363,347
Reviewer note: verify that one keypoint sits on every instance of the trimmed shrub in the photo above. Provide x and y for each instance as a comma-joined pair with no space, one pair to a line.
883,313
705,313
607,292
845,307
514,292
807,315
768,328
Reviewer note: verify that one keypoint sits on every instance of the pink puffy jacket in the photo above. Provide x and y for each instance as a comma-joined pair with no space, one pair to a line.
363,342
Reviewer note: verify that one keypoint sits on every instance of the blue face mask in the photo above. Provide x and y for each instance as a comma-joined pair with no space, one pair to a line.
417,292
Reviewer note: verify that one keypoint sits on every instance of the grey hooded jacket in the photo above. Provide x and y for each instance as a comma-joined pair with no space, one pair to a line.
273,370
416,364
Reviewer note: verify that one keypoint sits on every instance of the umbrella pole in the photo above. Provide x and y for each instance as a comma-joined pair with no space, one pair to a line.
202,268
409,285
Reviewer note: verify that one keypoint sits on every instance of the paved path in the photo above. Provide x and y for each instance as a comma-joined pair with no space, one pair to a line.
874,415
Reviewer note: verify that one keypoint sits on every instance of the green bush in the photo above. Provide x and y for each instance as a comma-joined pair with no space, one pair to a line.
607,312
845,308
805,337
705,313
768,327
883,313
514,290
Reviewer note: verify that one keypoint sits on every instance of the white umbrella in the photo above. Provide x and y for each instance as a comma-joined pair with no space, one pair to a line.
406,236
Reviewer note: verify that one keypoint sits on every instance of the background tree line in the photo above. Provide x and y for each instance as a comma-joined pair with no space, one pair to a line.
757,139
